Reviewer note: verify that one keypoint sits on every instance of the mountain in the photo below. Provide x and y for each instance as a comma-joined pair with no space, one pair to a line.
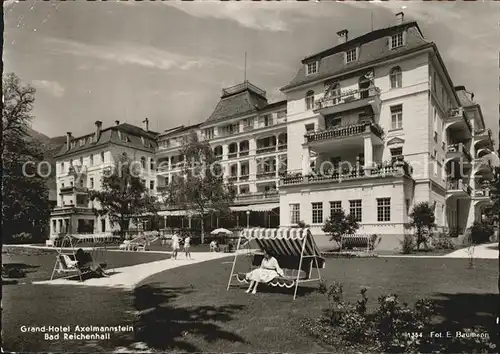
50,147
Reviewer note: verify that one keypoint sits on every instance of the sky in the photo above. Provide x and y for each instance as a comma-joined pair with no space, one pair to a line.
168,61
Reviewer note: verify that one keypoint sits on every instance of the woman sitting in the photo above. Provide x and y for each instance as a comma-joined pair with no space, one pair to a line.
269,269
85,261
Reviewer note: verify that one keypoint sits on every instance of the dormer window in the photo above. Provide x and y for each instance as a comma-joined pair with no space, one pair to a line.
350,55
397,40
312,68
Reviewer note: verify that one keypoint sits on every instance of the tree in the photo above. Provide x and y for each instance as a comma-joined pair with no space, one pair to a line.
199,187
493,214
124,197
340,224
422,219
25,203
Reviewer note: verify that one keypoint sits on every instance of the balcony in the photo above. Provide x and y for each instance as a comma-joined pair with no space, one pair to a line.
266,175
458,151
282,147
77,170
458,123
244,178
73,189
266,149
396,170
244,153
340,132
483,138
247,128
457,188
348,100
482,193
259,196
232,155
71,209
162,189
232,179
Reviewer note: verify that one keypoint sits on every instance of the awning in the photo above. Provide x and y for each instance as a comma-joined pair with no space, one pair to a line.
256,207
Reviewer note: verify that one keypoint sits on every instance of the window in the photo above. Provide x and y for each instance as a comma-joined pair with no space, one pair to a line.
335,207
309,128
396,77
81,161
355,209
350,55
281,114
71,183
91,180
267,120
82,142
336,161
294,213
397,40
244,189
102,157
312,68
62,185
407,206
396,154
310,100
151,185
383,209
397,117
317,213
62,167
81,183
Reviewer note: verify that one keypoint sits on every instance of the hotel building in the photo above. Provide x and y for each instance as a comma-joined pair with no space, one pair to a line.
373,126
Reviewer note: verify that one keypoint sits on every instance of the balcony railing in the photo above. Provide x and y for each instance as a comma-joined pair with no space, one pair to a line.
243,86
266,175
232,178
483,132
77,170
258,196
346,96
458,185
247,128
73,189
244,153
244,177
266,149
482,193
460,149
232,155
344,131
282,147
455,113
338,176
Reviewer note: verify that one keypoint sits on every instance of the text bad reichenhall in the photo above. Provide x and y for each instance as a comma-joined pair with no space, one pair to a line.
77,328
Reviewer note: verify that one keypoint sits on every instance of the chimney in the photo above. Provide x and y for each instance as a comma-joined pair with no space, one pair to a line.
400,16
117,122
98,127
342,36
146,124
68,140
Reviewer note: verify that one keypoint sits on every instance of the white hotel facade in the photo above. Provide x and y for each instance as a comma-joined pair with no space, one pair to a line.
373,125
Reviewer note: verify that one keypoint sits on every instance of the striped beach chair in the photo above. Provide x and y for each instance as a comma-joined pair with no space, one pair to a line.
293,248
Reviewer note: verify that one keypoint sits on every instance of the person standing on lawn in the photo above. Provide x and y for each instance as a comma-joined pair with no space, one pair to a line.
187,244
175,246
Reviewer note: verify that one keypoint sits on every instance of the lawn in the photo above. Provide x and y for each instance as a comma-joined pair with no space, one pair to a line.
189,309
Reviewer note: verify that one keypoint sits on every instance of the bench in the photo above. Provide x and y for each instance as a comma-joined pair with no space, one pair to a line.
363,241
290,267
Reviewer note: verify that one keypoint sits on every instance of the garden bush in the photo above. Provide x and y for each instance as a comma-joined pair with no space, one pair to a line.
481,232
23,237
407,244
392,328
442,241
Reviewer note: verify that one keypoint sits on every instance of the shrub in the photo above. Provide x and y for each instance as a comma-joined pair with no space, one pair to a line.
442,242
340,224
407,244
481,232
302,224
23,237
422,219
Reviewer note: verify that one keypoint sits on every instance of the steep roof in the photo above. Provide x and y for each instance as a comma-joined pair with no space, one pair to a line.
465,97
373,47
241,99
123,134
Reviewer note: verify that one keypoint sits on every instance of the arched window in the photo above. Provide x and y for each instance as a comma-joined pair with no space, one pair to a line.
143,162
310,100
396,77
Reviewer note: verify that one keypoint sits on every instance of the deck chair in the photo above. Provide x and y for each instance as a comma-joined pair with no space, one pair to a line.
293,248
68,264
